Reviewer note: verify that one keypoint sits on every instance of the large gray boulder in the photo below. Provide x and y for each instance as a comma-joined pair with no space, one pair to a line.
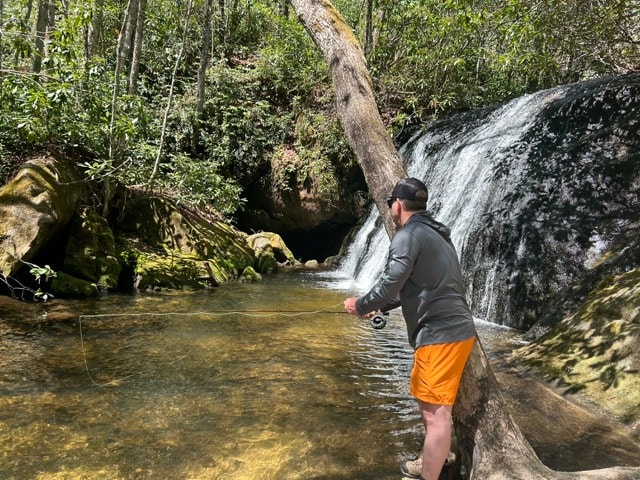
34,206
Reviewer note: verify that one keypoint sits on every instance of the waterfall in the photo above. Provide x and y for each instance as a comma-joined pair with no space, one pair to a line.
541,194
457,164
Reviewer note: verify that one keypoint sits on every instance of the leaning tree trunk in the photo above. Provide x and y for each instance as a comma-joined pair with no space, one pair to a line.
492,446
355,102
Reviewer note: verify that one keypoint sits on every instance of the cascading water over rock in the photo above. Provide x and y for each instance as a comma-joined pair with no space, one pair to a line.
534,191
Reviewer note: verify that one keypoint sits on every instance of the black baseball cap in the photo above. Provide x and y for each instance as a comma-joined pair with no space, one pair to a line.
410,189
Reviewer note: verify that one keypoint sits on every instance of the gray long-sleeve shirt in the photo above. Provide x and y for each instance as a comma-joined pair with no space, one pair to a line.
423,276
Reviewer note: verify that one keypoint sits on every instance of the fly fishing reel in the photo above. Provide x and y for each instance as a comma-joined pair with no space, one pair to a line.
379,320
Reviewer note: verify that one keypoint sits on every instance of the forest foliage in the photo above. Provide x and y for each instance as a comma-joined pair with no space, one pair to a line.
197,97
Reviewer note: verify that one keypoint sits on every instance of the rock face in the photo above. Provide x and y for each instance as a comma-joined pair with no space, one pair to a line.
537,191
90,262
543,197
270,250
311,208
150,243
595,350
34,207
166,247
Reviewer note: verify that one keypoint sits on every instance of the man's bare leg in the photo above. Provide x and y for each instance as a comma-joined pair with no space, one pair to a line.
437,441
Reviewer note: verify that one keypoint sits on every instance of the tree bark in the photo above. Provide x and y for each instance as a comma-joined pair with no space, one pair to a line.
137,48
368,28
41,34
492,446
125,47
94,30
1,39
205,55
356,105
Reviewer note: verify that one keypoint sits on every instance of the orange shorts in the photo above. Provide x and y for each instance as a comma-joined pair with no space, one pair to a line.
437,370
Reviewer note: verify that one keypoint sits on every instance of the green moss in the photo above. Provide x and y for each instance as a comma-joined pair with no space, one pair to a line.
596,350
171,271
68,286
266,261
249,275
181,248
91,253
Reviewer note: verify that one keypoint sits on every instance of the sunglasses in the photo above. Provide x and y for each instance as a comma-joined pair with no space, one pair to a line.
390,201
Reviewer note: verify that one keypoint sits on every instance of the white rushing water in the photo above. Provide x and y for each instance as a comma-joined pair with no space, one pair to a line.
460,175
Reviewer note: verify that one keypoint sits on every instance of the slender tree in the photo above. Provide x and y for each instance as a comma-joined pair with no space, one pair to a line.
125,47
205,56
1,39
156,164
492,445
368,28
120,59
137,48
94,29
41,32
114,139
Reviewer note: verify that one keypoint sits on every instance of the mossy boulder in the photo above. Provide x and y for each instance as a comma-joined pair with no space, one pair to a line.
596,350
270,250
165,246
249,275
64,285
35,206
172,271
91,252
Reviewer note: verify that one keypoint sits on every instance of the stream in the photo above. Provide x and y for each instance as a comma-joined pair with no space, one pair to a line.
261,381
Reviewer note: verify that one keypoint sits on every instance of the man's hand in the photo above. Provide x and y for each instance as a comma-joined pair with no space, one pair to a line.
350,306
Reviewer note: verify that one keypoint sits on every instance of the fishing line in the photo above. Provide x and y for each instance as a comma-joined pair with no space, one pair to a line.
378,321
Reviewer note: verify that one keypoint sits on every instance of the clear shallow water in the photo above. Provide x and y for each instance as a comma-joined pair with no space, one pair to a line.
174,386
172,393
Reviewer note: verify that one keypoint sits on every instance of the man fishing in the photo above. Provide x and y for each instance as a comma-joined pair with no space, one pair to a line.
423,276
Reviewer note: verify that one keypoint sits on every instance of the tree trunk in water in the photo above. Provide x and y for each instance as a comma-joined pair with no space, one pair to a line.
492,446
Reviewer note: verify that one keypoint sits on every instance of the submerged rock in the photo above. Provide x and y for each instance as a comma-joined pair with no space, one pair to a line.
64,285
249,275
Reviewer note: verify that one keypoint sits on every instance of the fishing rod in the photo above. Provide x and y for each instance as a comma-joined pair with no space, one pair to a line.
377,321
